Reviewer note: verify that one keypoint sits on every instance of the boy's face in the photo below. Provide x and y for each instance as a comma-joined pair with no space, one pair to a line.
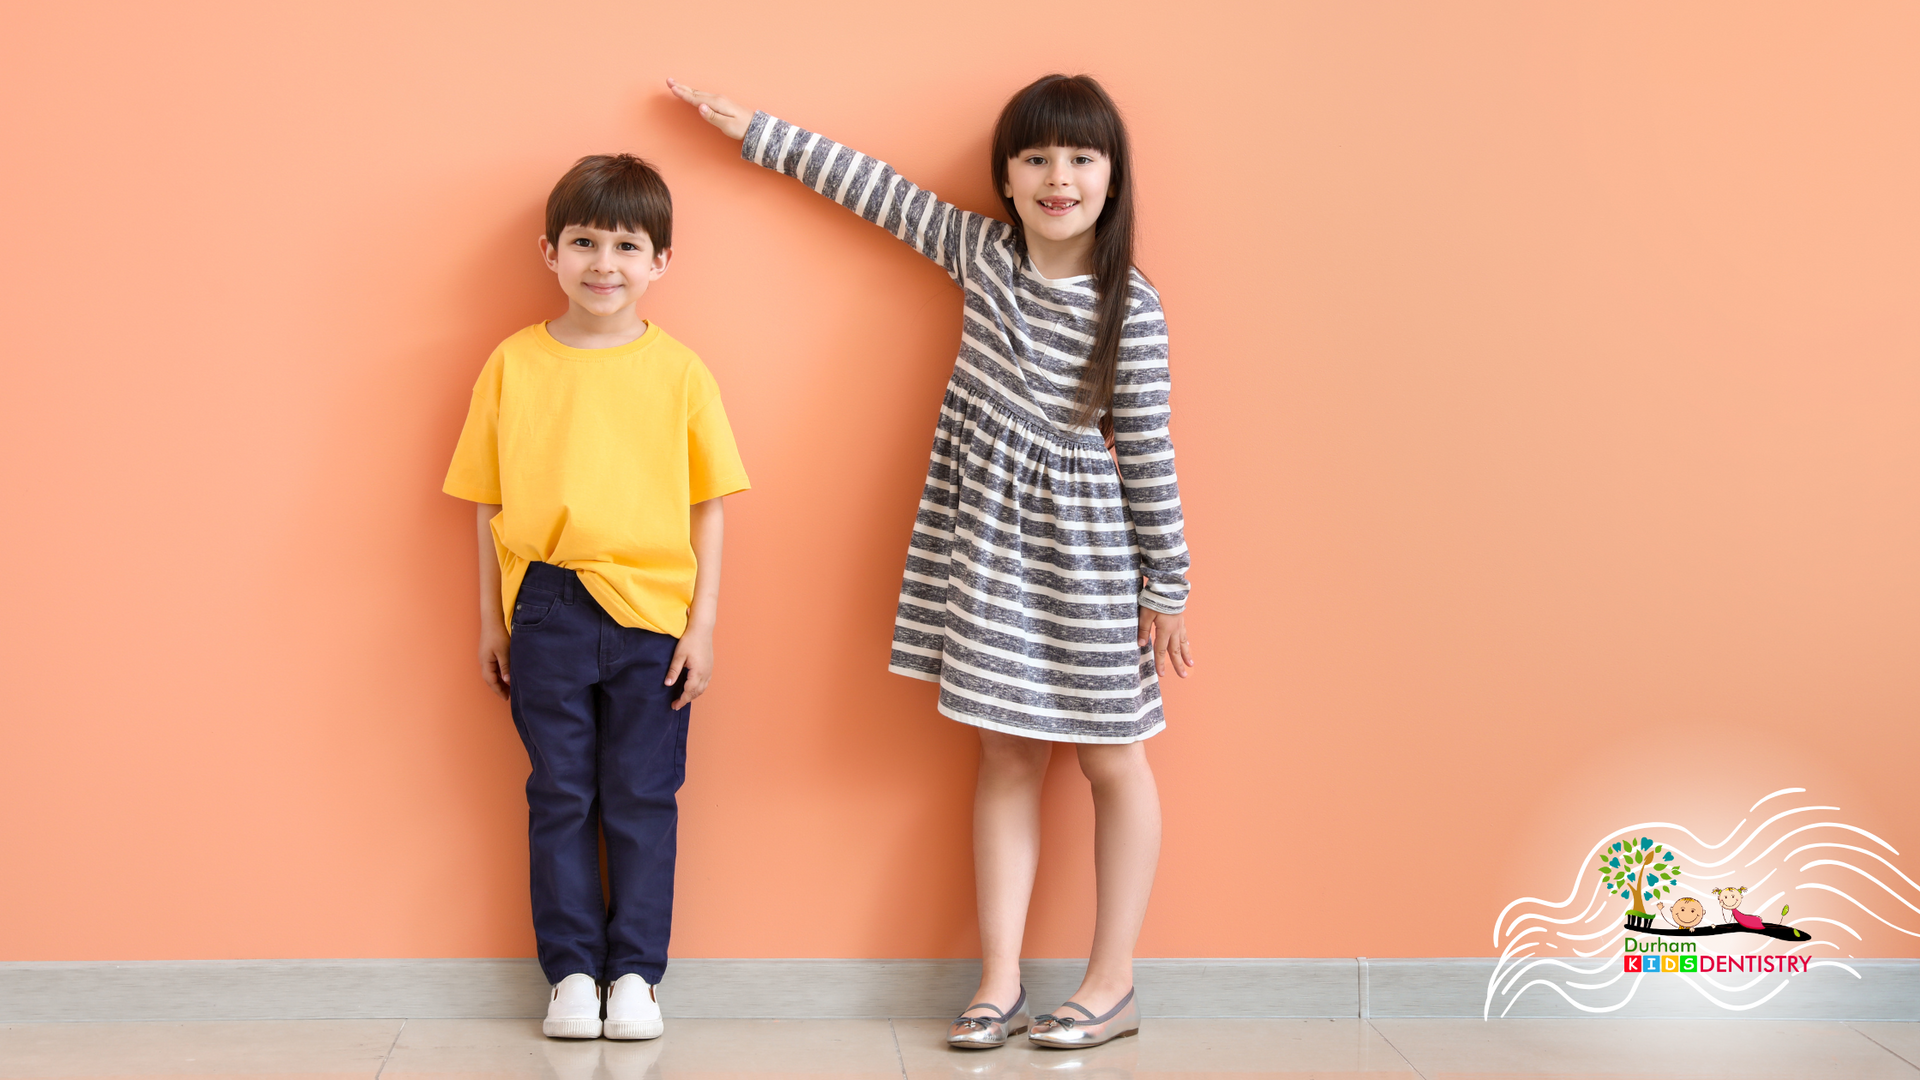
604,271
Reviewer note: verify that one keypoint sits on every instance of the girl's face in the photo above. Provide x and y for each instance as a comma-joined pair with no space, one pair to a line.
1058,190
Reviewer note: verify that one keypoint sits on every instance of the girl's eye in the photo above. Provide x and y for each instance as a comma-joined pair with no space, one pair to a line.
1036,160
1083,160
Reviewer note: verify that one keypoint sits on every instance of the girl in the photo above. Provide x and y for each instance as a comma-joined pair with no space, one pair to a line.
1023,595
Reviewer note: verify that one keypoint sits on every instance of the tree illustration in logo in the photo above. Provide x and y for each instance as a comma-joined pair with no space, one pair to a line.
1638,871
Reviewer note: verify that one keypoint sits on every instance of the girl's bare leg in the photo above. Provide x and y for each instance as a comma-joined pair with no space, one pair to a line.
1006,853
1126,851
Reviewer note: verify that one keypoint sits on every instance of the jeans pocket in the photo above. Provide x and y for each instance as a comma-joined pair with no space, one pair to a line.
530,609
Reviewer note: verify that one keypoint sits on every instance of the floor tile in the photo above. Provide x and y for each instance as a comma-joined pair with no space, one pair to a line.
1171,1050
1667,1049
280,1048
1899,1037
690,1050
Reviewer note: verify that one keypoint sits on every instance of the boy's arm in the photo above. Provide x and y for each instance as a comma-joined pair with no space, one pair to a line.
707,525
867,186
493,621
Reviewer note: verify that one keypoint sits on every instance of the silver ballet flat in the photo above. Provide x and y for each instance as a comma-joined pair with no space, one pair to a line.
987,1032
1072,1033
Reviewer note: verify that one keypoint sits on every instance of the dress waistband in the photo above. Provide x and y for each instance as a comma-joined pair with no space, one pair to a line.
970,404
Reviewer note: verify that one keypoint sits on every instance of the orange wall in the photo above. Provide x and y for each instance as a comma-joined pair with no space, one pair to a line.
1541,374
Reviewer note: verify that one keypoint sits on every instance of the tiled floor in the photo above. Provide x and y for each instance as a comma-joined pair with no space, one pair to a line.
889,1050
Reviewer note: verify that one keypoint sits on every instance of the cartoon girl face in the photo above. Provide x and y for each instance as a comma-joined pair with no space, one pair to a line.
1730,897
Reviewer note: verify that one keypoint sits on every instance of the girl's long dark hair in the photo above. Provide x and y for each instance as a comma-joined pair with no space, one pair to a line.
1073,110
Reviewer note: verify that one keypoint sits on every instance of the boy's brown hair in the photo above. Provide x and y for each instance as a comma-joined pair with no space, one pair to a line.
612,191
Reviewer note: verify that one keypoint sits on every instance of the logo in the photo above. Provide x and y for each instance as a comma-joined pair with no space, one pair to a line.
1642,870
1658,899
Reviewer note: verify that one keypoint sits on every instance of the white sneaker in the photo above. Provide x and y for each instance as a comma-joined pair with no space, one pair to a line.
633,1010
574,1011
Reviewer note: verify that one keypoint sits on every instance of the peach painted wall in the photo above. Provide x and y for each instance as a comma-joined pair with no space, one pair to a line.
1542,371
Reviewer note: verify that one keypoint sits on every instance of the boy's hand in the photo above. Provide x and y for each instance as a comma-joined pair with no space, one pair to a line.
1168,633
493,658
695,655
731,119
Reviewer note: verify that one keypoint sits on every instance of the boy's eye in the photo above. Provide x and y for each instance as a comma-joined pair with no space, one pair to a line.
628,245
581,241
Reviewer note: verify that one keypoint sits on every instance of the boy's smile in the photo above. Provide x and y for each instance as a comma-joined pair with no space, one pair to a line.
604,273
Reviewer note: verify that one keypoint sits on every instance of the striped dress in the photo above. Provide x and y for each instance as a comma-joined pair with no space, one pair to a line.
1024,575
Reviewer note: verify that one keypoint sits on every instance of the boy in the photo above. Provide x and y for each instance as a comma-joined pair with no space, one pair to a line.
598,451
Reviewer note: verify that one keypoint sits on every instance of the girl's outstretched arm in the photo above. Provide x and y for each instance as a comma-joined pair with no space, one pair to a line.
948,235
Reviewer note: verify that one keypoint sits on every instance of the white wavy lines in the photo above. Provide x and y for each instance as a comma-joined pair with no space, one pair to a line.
1595,906
1820,825
1608,948
1775,795
1756,832
1539,961
1869,877
1861,850
1754,855
1856,903
1836,922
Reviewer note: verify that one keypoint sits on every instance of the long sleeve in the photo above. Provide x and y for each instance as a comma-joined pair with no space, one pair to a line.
1144,447
948,235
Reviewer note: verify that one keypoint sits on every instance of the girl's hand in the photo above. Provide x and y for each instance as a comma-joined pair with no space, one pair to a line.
1168,633
695,654
731,119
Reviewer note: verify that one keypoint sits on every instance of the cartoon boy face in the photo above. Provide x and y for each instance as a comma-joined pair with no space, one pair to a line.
1687,912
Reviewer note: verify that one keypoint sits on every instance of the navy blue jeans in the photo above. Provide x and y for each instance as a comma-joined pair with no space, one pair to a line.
609,752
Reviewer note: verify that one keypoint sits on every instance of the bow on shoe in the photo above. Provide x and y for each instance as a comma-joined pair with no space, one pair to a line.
977,1022
1069,1021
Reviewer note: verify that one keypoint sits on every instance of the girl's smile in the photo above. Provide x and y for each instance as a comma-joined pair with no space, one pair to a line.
1059,192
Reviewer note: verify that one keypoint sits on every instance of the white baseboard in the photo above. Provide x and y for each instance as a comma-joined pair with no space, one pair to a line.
1378,988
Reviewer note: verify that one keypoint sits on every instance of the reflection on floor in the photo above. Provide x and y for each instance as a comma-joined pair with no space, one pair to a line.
880,1049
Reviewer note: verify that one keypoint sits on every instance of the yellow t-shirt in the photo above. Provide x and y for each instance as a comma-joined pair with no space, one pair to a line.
594,456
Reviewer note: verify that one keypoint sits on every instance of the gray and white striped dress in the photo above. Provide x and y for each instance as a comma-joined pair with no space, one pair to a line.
1024,574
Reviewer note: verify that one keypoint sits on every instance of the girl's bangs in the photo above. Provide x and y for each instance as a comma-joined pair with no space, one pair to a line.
1063,112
